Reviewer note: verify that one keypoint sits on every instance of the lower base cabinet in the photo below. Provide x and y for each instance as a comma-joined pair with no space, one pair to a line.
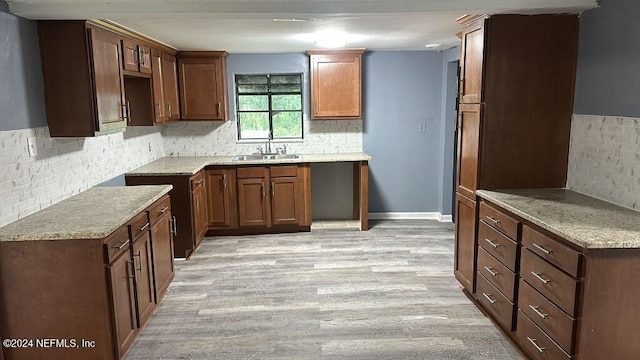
465,245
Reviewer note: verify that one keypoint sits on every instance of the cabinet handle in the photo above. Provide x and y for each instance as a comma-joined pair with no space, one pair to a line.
199,182
541,248
262,188
139,260
124,243
488,297
273,191
125,112
491,271
218,108
495,246
145,227
128,112
224,181
169,107
174,226
533,341
544,281
131,270
493,220
536,309
158,110
163,210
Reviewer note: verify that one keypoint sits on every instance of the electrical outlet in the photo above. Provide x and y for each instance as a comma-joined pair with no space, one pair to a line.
31,145
422,127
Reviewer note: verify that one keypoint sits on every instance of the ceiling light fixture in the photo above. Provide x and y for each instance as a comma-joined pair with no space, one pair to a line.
432,46
291,20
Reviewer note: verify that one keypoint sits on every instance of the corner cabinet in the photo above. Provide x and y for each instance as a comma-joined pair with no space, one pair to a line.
516,102
203,85
83,79
336,84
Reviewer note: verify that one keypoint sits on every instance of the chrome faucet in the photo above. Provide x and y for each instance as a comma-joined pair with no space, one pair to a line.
267,147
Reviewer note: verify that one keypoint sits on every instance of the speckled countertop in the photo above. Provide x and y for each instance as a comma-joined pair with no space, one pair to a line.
92,214
189,165
585,221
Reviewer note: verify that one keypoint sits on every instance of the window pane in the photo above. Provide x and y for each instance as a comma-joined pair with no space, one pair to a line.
286,79
251,79
254,125
261,89
287,125
253,102
286,88
286,102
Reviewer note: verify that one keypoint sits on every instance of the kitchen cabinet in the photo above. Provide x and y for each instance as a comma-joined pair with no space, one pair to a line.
253,197
286,196
336,84
170,87
162,231
142,268
188,205
221,198
203,85
83,79
515,109
136,56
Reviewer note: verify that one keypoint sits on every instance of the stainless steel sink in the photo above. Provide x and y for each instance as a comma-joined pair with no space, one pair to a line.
265,157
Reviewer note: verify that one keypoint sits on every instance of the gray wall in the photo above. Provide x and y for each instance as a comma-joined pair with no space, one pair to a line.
21,90
608,76
402,90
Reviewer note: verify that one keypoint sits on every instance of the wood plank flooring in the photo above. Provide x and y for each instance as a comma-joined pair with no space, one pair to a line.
388,293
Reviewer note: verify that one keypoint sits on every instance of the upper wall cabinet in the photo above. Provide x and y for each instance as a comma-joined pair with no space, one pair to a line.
164,78
203,85
336,84
136,56
83,81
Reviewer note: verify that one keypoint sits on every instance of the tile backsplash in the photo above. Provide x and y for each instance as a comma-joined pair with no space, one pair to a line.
604,158
219,138
66,166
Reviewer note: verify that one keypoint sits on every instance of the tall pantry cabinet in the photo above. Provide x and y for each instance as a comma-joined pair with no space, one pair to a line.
515,106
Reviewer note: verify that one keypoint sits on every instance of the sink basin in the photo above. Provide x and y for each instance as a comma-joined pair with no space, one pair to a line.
265,157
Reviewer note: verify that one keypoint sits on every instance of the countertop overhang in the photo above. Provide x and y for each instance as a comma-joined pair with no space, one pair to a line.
585,221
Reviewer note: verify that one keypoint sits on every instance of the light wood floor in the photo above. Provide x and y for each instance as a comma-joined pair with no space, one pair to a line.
388,293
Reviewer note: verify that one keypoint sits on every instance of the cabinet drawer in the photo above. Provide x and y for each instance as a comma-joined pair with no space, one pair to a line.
285,170
550,318
494,302
497,274
551,282
551,250
116,244
159,208
251,172
498,245
139,225
197,181
535,342
499,220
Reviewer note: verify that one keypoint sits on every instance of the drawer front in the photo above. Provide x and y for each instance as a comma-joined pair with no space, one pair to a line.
535,342
159,208
284,170
494,302
499,220
251,172
497,274
550,318
498,245
551,250
139,225
551,282
197,180
116,244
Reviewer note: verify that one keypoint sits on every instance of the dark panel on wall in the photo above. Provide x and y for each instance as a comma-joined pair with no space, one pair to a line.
21,90
608,76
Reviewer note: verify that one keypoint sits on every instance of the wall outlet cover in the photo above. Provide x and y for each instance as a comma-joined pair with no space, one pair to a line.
31,145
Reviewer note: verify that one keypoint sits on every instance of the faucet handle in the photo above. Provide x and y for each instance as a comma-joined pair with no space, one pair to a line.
259,148
284,148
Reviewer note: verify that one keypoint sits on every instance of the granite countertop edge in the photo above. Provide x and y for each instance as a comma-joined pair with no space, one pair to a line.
595,242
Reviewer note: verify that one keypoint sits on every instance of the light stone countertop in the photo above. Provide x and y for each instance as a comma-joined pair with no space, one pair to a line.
92,214
582,220
190,165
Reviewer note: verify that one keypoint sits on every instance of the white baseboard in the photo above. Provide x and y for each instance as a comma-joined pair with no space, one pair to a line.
410,216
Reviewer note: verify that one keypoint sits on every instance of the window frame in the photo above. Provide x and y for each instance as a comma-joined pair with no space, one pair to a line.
270,110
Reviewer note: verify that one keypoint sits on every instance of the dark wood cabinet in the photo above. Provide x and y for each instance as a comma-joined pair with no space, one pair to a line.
157,82
143,276
336,84
203,85
136,56
465,242
170,86
199,203
161,219
121,278
83,80
468,149
222,198
253,197
286,196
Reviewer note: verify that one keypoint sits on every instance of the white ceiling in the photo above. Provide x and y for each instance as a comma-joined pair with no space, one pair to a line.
247,26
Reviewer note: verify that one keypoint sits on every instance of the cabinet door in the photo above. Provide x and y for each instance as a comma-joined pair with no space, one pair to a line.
471,59
201,222
253,208
468,149
130,55
170,82
162,250
108,80
201,90
144,62
145,291
286,201
221,199
465,242
157,81
122,291
336,84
